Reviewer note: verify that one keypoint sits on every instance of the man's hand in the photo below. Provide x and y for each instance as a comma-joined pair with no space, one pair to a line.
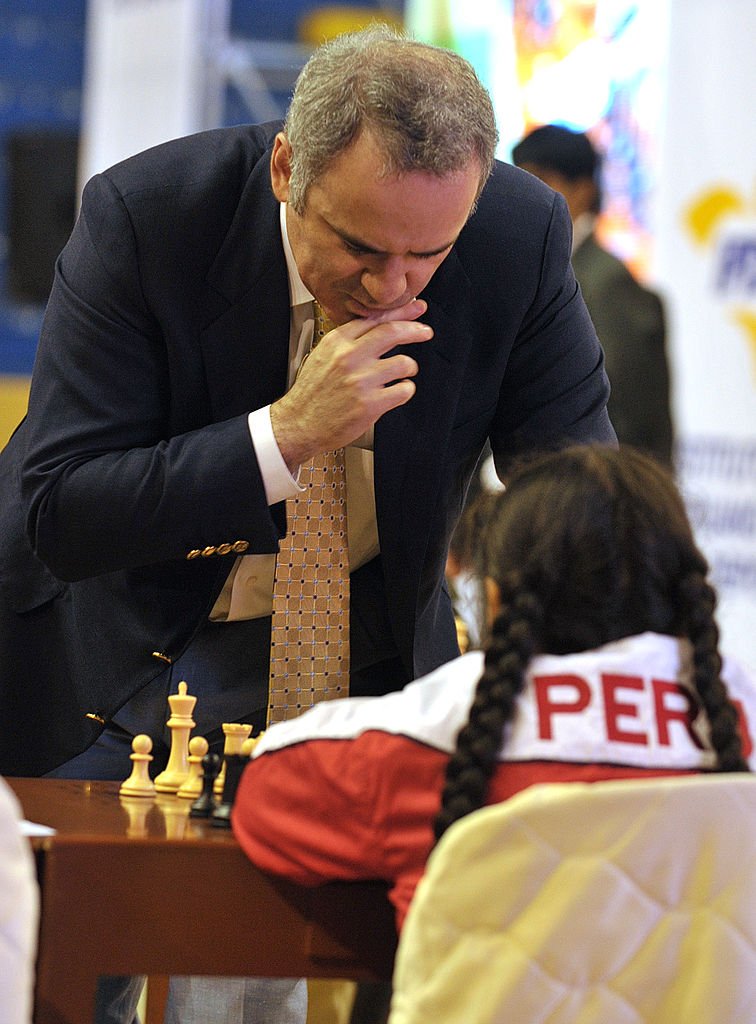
345,385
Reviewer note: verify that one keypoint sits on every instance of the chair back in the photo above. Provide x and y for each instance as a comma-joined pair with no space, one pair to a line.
19,913
623,902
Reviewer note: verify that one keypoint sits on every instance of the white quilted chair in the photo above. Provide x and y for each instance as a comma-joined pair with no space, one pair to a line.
19,911
607,903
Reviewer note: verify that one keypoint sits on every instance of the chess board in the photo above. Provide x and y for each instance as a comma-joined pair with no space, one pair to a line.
186,898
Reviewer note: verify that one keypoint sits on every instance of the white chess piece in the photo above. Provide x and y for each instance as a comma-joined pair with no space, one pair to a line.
235,735
139,782
191,787
249,744
181,724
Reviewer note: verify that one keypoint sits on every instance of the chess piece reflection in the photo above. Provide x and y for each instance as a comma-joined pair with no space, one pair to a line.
181,724
139,782
175,814
137,809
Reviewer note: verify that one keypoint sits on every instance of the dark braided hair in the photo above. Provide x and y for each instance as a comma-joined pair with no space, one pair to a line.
586,546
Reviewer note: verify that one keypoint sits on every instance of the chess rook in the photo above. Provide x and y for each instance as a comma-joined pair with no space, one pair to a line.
235,734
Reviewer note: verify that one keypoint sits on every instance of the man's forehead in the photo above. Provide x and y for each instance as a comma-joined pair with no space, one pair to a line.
413,212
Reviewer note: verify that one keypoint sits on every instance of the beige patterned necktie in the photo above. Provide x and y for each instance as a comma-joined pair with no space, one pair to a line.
309,644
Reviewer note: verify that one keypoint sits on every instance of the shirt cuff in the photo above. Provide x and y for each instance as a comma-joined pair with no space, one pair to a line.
278,481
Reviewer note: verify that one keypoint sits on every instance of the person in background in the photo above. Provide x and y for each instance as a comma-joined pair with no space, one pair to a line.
592,573
143,498
463,569
628,317
19,914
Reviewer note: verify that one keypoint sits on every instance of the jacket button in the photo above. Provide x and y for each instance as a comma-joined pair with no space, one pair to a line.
240,546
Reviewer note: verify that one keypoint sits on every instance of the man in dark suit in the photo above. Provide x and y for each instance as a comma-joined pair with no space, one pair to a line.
628,317
142,498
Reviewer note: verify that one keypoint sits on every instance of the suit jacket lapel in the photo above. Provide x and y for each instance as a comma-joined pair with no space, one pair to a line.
411,442
246,347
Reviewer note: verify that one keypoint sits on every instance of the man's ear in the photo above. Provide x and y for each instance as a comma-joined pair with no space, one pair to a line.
493,599
280,167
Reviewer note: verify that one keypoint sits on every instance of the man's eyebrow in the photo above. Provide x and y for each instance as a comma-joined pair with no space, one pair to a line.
359,244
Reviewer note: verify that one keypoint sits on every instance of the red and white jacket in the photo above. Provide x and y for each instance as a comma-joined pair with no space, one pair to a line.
349,790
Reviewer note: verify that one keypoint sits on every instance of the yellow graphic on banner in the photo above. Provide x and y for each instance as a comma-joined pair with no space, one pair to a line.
723,222
746,318
705,214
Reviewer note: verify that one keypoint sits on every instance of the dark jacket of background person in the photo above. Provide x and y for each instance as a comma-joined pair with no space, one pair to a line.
629,318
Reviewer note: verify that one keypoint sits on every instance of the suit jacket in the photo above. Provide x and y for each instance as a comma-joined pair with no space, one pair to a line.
132,483
629,320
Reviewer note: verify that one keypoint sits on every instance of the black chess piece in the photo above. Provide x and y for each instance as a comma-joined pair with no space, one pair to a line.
235,764
206,803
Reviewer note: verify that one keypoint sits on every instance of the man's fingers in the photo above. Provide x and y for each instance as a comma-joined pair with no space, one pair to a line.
375,339
396,367
396,394
409,311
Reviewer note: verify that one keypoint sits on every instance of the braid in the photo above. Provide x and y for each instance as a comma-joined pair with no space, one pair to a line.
698,599
618,523
511,645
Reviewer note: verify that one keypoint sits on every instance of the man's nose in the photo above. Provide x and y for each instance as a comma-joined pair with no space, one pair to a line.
387,284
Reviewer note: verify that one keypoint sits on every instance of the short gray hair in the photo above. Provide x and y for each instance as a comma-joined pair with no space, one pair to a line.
424,105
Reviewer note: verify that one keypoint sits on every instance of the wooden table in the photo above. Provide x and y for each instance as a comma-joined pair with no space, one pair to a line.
136,886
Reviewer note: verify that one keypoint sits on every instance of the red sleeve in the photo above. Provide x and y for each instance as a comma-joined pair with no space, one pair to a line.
333,809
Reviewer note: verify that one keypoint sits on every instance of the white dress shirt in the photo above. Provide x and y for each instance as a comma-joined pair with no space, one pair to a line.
248,591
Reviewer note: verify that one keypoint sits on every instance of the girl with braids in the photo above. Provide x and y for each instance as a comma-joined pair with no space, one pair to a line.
602,662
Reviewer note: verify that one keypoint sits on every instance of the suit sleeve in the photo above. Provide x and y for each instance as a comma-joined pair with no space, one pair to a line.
555,388
112,477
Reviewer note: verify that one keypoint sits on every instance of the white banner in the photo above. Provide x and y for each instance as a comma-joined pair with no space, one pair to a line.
706,267
150,75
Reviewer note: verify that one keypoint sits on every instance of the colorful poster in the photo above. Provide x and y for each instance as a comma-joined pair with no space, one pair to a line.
589,65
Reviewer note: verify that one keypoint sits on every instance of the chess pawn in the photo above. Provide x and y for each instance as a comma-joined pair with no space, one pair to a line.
139,782
181,724
235,735
205,803
191,787
250,743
